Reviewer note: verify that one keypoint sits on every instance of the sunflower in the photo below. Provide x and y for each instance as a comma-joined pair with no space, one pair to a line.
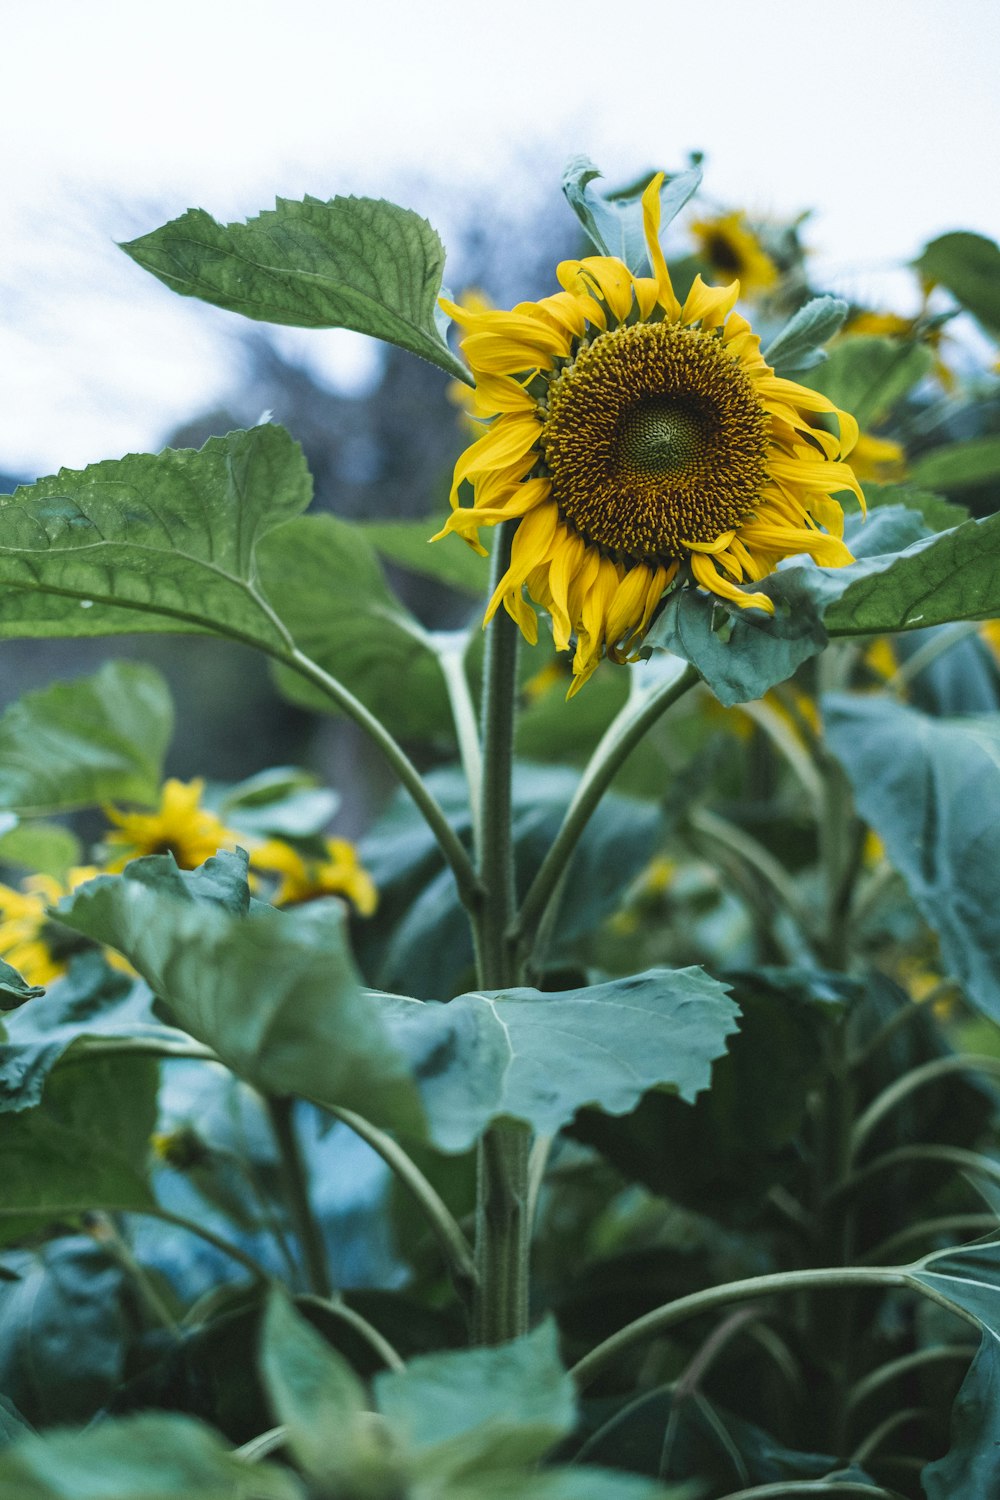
731,248
31,941
639,444
180,826
337,873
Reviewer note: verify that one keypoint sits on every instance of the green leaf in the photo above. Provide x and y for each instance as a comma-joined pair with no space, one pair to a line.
930,788
954,575
274,993
482,1408
91,1000
959,466
42,848
315,1395
13,989
741,654
799,345
613,221
969,1277
12,1424
75,744
356,263
153,1456
84,1148
343,614
408,544
938,513
971,1466
282,802
63,1330
161,542
867,375
969,266
737,1140
524,1055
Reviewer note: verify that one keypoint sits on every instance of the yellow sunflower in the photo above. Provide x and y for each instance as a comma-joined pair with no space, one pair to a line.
30,941
639,444
339,873
731,248
180,826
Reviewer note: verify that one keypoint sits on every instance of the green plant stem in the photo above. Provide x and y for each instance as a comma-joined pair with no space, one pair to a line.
500,1300
904,1156
808,1487
451,658
960,1224
894,1369
662,1318
121,1250
917,1078
626,730
263,1444
929,652
376,1341
296,1185
759,859
469,888
208,1235
449,1236
878,1435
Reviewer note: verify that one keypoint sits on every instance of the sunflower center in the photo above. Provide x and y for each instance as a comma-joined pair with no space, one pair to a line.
654,437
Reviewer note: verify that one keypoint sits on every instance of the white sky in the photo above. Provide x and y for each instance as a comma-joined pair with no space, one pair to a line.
881,115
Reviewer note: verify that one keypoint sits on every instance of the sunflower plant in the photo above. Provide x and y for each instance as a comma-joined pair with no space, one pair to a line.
618,1118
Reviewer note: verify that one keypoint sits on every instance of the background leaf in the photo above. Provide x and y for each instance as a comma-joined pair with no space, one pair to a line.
868,375
971,1466
356,263
799,345
154,1456
931,790
96,739
343,614
958,466
969,266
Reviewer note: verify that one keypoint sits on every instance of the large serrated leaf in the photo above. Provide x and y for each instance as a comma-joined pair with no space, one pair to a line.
931,790
359,263
274,994
160,542
74,744
539,1058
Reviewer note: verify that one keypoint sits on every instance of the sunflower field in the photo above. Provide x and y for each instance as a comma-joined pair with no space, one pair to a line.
618,1117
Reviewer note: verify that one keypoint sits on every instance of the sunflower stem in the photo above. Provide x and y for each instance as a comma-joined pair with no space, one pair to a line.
626,730
500,1303
296,1182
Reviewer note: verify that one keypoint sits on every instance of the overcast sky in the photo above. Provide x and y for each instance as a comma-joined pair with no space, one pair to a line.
882,116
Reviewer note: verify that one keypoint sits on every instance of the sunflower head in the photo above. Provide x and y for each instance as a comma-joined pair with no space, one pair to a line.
180,826
640,444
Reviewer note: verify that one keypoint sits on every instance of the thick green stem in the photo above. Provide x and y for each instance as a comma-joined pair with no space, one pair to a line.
296,1185
639,714
500,1303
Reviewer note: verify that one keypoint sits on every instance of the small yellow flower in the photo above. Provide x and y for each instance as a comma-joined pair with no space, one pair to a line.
880,658
38,947
180,826
880,459
732,249
304,879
